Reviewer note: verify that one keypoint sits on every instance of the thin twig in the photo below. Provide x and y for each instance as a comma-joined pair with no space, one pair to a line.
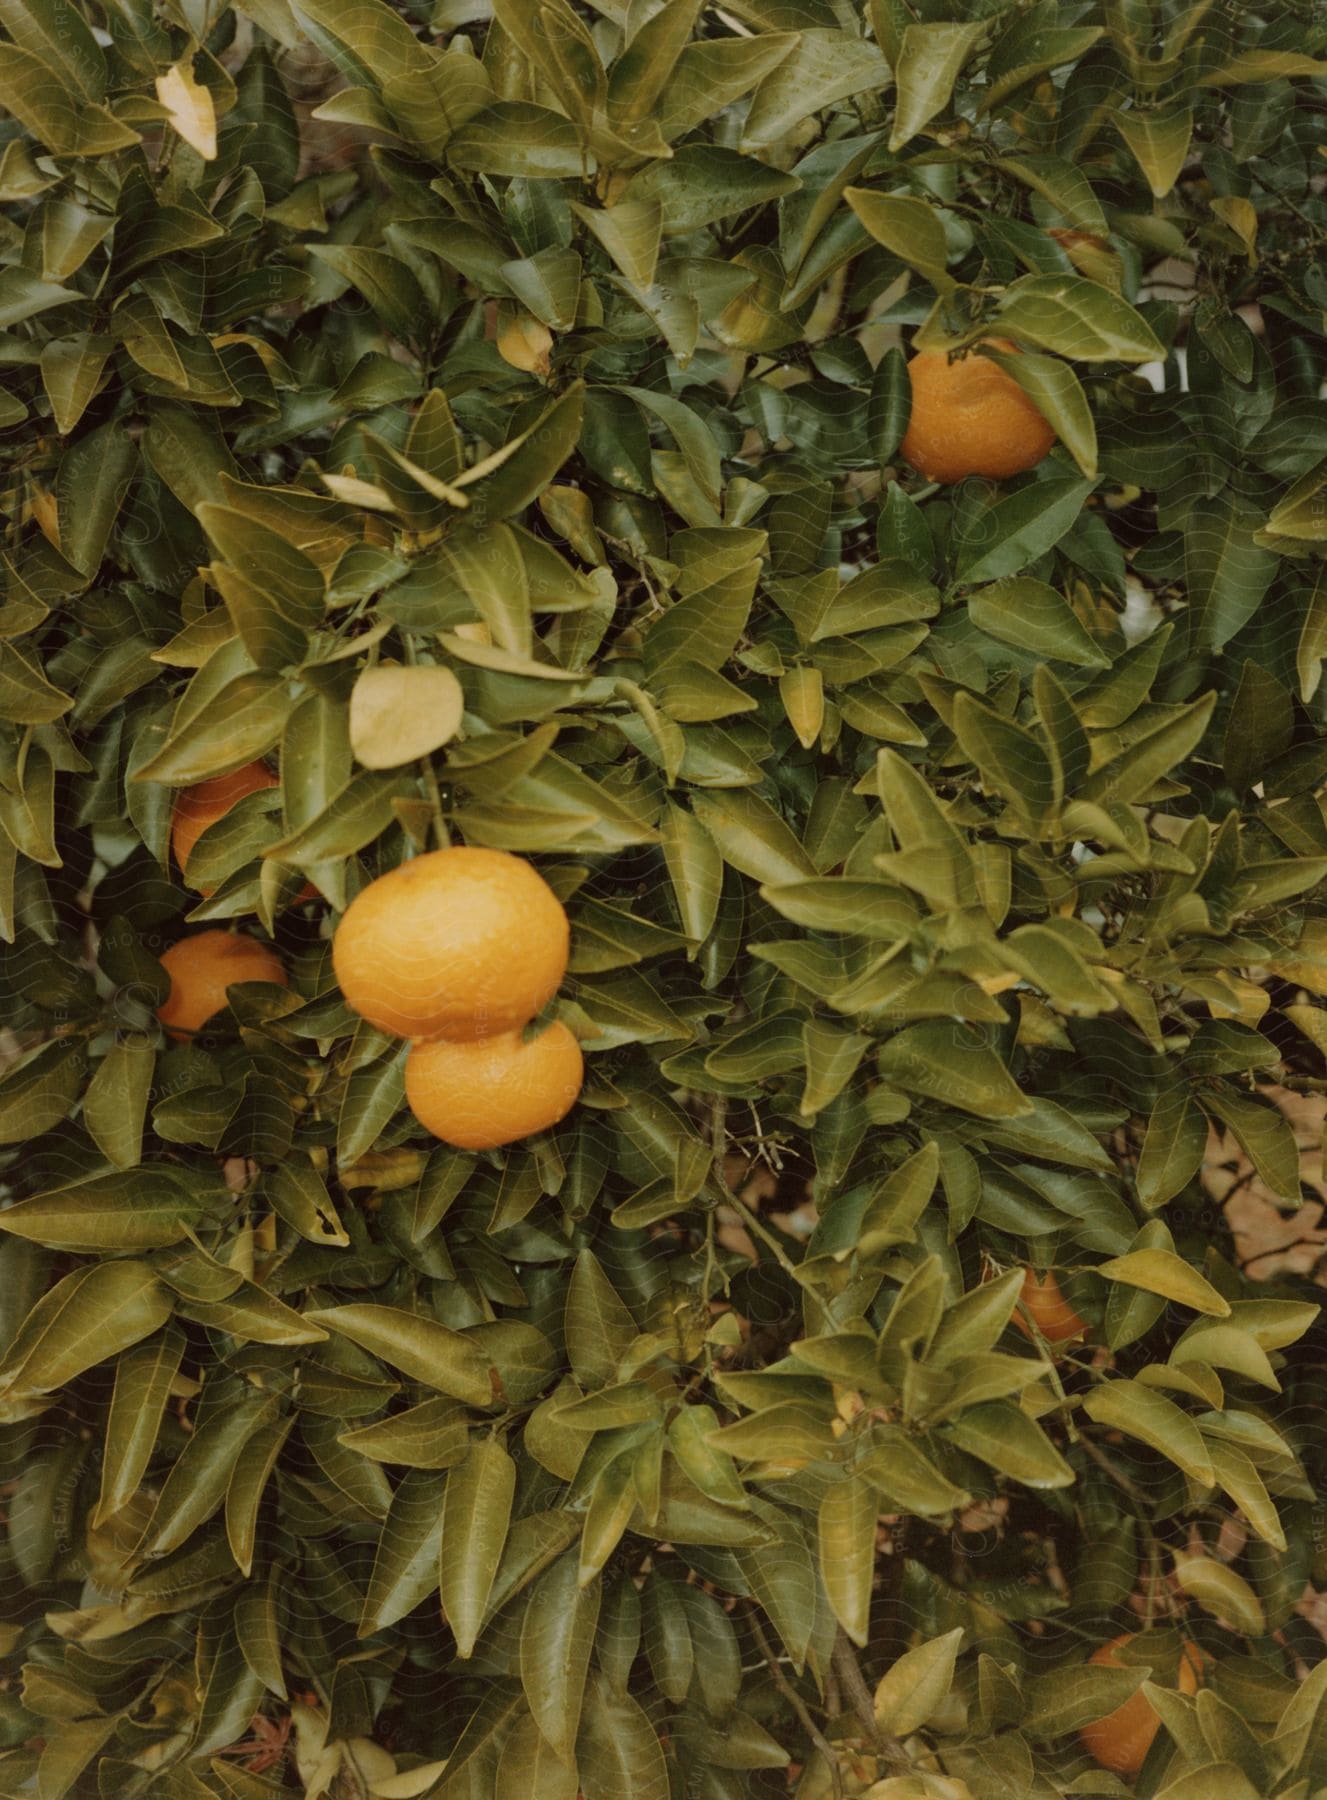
753,1222
797,1703
1117,1475
750,1218
858,1696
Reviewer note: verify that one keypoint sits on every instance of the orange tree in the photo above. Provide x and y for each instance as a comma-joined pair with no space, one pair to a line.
489,418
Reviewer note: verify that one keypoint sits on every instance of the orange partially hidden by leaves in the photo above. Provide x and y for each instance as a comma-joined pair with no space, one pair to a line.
202,968
200,806
1120,1742
463,943
1044,1301
494,1090
197,808
971,418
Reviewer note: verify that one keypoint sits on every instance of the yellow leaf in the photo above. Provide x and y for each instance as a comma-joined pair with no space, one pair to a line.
522,340
1241,217
190,107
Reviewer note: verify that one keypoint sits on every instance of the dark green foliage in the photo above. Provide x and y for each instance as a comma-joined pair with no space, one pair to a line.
944,868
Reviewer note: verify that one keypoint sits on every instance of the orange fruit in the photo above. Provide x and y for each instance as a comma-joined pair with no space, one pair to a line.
202,968
461,943
970,418
1052,1314
1122,1739
488,1091
200,806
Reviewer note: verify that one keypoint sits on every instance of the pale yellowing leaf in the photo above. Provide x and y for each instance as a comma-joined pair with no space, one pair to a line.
190,107
914,1686
1221,1591
398,714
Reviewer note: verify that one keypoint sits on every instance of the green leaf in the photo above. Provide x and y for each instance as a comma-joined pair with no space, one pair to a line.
751,836
691,436
242,722
1018,528
916,1684
1173,1148
244,1494
26,696
509,479
618,1756
116,1100
909,227
420,1347
1159,141
1222,1591
1010,759
1262,1133
298,1194
432,1435
139,1209
71,372
1058,394
92,485
1032,44
386,282
36,1092
1077,318
517,138
1062,1700
557,1639
1227,569
197,1485
701,183
847,1531
530,1766
1233,1471
476,1515
1127,777
57,32
1160,1271
612,1504
928,64
892,1214
1062,185
144,1376
405,1569
1000,1433
366,40
1141,1412
954,1065
711,73
36,95
823,66
92,1314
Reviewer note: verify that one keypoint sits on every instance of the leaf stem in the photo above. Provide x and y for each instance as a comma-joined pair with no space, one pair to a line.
797,1703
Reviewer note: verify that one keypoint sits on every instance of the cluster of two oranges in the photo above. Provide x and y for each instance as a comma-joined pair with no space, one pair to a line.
457,951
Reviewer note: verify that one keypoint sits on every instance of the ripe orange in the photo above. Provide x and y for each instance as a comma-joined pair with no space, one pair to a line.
970,418
461,943
198,807
202,968
1052,1314
490,1091
1122,1739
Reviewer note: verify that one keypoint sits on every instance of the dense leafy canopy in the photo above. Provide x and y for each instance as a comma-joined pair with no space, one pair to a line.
489,416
